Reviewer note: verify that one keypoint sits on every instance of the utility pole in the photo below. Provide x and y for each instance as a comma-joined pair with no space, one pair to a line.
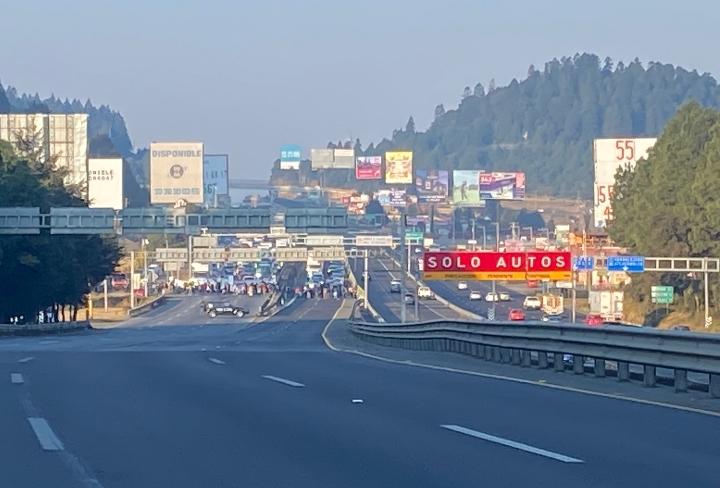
132,279
105,295
494,288
403,316
366,275
145,265
484,244
189,259
707,304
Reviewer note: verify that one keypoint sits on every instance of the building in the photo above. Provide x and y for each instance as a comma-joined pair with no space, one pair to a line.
60,136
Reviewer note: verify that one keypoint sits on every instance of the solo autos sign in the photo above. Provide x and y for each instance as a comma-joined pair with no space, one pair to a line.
368,167
105,183
502,186
464,265
609,155
431,185
176,172
398,167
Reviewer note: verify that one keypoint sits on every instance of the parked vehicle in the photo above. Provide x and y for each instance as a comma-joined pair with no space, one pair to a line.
594,319
532,303
516,314
425,293
227,309
119,281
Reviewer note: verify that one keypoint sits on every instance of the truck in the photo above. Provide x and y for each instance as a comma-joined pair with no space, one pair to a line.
552,304
607,303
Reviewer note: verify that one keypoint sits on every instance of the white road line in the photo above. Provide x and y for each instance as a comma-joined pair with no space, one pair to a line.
26,360
45,435
292,383
16,379
513,444
216,361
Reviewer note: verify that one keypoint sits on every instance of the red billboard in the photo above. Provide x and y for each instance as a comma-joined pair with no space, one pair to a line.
521,266
368,167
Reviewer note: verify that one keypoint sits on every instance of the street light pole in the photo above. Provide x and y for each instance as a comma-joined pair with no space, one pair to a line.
494,288
365,281
145,265
403,316
132,279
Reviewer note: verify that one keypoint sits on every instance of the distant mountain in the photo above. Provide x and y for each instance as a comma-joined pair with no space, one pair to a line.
544,125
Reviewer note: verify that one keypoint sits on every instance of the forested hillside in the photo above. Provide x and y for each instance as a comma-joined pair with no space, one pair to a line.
544,125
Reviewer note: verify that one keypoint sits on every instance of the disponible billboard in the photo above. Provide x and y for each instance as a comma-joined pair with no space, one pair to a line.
215,177
368,168
431,185
609,155
322,158
398,167
466,188
520,266
176,172
105,183
344,159
502,186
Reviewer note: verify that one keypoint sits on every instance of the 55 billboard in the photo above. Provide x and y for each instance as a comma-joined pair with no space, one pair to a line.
520,266
368,168
431,185
502,186
176,172
398,167
466,188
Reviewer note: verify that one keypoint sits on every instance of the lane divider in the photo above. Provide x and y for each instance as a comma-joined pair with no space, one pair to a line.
45,435
284,381
514,444
26,360
216,361
16,379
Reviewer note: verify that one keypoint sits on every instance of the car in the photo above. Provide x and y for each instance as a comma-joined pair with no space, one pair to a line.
409,298
532,303
462,285
504,297
425,293
516,314
119,281
594,319
206,306
227,309
555,318
680,327
395,286
492,297
475,295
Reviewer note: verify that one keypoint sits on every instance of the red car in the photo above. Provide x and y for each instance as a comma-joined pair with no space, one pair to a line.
516,314
594,320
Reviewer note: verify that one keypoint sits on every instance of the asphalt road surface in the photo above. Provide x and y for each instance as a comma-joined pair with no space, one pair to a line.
172,399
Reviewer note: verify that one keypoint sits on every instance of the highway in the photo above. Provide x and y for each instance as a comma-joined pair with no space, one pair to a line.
174,399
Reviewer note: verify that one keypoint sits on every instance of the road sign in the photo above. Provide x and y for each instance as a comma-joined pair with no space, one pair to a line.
661,294
374,241
491,314
413,236
583,263
629,264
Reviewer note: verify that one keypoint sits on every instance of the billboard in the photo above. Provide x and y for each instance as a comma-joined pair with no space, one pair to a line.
322,158
368,168
383,197
105,183
519,266
215,176
398,167
290,156
398,198
344,158
176,172
466,187
373,241
431,185
502,186
609,155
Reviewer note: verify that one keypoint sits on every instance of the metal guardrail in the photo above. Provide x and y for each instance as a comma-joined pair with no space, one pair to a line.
43,329
515,342
147,306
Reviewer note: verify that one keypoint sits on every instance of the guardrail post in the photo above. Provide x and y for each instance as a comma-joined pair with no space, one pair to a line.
488,353
525,359
681,380
505,355
558,362
714,385
515,356
599,367
649,378
542,360
496,355
578,364
623,371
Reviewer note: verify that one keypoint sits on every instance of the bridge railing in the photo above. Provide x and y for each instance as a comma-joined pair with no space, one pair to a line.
520,343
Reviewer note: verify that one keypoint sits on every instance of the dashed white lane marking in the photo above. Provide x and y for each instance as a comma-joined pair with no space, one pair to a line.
515,445
47,342
16,379
284,381
26,360
45,435
357,400
216,361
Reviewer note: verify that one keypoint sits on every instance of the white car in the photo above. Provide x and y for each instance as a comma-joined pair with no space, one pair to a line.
475,295
425,293
532,303
492,297
462,285
504,297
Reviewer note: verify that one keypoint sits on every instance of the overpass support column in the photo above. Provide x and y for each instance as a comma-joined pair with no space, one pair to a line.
681,380
578,364
515,356
623,371
649,377
599,367
525,359
542,360
558,362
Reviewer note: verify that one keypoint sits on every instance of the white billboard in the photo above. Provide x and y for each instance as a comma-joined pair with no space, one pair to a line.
176,172
373,241
344,158
105,183
215,176
609,155
322,158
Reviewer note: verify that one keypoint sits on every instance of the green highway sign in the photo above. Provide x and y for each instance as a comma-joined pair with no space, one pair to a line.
661,294
414,235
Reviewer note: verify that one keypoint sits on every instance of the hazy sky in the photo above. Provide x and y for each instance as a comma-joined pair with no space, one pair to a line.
246,76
